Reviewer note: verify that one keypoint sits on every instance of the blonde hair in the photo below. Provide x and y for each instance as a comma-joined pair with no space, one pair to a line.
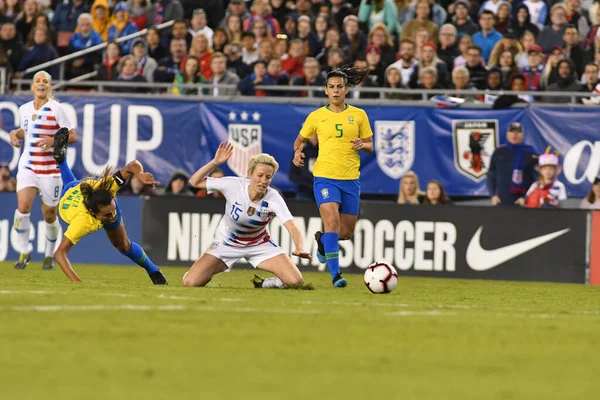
49,77
401,196
265,159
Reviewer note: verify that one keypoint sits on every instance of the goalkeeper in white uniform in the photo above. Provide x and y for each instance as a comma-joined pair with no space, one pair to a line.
242,232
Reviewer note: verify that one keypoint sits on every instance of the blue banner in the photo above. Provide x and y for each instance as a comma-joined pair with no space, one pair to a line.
451,145
92,249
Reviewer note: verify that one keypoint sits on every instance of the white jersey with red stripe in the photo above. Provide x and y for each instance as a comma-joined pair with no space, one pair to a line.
45,121
245,222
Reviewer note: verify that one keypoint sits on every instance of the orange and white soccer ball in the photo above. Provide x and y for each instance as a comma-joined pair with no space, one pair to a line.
381,278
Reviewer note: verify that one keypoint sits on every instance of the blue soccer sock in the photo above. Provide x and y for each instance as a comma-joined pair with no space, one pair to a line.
332,252
65,173
138,256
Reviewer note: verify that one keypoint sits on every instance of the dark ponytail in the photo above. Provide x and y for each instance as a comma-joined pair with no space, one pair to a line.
98,195
351,76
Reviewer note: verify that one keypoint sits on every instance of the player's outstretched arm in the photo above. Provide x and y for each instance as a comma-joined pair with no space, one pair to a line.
298,153
223,154
298,239
136,169
61,257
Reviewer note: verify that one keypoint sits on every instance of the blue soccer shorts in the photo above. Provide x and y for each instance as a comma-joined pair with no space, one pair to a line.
346,193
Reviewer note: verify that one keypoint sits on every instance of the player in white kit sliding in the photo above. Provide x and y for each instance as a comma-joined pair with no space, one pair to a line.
242,232
38,172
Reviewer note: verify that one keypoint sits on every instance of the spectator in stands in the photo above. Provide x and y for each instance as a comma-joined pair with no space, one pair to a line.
533,72
168,67
508,42
487,38
503,22
575,17
9,10
566,82
189,75
464,42
203,193
548,191
522,59
573,49
155,49
133,187
108,70
248,85
354,38
439,15
202,50
332,40
101,18
84,38
66,14
310,77
249,51
43,21
45,7
550,71
590,75
322,25
178,184
219,40
302,177
420,37
280,77
279,10
495,80
506,63
26,18
373,12
393,80
593,33
340,9
460,82
517,84
233,29
553,35
262,8
8,183
164,10
374,65
522,21
477,72
511,170
128,72
592,200
448,48
289,29
409,192
304,7
293,64
538,12
335,58
428,79
462,21
422,20
370,81
5,62
407,63
198,24
265,50
429,58
138,12
179,30
281,46
120,26
147,65
234,61
435,194
220,76
310,38
40,51
380,37
237,8
12,44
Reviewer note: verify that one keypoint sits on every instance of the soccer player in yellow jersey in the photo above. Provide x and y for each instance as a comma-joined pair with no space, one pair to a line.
90,205
343,131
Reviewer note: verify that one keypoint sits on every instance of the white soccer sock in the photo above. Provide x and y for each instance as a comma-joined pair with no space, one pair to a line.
273,283
52,230
21,226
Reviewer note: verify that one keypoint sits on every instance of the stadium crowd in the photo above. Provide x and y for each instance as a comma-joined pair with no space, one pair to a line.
530,45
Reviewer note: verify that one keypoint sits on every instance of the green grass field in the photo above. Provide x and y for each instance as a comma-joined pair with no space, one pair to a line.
118,337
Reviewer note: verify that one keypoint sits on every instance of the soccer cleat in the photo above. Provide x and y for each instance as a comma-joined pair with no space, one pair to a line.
48,264
339,282
257,281
320,248
60,145
23,261
158,278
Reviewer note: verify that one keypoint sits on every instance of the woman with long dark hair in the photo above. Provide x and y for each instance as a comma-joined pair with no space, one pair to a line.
343,131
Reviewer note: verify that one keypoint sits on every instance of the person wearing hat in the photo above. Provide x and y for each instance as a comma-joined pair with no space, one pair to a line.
429,58
101,15
374,64
566,82
146,64
512,168
533,71
121,26
548,191
503,21
592,200
177,185
462,21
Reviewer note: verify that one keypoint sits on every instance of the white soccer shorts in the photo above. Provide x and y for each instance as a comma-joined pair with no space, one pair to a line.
49,187
253,254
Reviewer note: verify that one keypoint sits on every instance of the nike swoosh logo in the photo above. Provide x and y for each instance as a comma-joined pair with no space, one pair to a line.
480,259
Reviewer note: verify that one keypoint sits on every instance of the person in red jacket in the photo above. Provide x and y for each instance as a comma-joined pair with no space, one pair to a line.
294,64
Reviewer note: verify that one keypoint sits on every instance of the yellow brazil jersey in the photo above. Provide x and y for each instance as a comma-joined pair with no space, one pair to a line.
337,159
74,212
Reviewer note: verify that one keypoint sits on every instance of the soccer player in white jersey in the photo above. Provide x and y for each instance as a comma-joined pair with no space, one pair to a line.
38,172
242,232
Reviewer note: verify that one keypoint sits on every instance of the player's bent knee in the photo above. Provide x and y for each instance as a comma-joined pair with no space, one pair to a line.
50,215
123,246
189,281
